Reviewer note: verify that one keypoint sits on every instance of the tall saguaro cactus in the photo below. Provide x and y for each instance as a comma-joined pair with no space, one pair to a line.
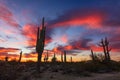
20,57
40,43
65,56
105,44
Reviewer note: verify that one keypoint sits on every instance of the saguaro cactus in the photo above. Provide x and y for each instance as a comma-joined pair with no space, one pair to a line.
104,49
105,43
54,59
46,57
6,59
65,56
40,43
107,48
71,59
61,57
92,55
20,57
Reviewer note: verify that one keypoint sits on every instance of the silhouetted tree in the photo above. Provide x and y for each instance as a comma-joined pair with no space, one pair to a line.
40,43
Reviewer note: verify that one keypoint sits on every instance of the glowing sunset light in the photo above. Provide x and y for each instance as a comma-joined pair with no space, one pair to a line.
72,26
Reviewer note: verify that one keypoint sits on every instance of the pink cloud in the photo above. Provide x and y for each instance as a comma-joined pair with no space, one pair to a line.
7,16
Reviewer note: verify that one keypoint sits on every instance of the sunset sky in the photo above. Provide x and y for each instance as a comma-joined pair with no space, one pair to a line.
72,25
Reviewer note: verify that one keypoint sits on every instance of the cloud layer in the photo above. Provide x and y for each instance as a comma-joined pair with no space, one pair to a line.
97,22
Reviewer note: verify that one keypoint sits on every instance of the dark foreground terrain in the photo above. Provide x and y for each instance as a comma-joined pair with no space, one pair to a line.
60,71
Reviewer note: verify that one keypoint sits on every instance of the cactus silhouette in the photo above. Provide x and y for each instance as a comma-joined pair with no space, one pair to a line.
40,43
54,59
6,59
105,43
107,48
71,59
92,55
61,57
46,57
20,57
65,56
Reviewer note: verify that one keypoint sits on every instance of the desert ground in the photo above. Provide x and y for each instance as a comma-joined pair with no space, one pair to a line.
59,71
59,76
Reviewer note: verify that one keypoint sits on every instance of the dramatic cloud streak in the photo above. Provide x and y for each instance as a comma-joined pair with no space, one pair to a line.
81,44
7,16
89,18
5,52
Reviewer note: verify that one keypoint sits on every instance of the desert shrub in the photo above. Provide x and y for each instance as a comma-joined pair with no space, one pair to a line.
99,57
